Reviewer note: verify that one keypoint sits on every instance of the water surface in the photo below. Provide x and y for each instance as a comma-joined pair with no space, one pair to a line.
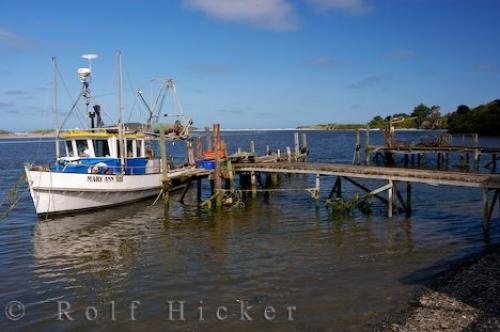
340,272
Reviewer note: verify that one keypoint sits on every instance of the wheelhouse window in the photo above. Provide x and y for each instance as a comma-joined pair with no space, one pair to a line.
83,148
101,148
69,149
130,149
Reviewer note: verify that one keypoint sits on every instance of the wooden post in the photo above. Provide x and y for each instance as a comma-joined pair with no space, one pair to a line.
268,150
477,157
304,141
199,147
278,153
253,184
208,138
367,146
390,198
274,179
212,184
357,147
198,189
289,153
337,188
252,146
317,187
230,170
164,166
190,152
297,145
408,199
486,211
217,173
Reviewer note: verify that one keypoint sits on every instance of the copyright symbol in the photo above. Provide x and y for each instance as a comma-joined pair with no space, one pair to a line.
14,310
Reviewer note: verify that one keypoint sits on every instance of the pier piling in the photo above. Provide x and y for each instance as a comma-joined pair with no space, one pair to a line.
217,172
296,145
166,183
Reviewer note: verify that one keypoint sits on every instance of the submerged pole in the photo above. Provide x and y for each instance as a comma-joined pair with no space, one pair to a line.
217,174
317,188
164,171
390,198
408,199
253,184
486,211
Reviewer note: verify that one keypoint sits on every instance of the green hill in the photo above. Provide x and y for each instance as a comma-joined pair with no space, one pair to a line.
484,119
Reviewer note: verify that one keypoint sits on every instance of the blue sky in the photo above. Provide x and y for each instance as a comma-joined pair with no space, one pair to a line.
253,63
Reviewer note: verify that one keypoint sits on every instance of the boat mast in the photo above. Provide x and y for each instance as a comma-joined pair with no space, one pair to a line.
56,115
86,91
121,128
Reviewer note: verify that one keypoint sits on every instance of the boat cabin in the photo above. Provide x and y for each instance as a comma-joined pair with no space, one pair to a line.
83,144
99,152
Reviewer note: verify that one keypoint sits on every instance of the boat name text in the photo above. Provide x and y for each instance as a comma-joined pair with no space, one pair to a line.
97,178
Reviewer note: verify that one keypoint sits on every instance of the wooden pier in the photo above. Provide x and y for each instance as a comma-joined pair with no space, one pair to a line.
249,166
487,182
414,153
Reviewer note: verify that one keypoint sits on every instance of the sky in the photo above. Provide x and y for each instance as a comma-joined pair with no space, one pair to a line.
250,63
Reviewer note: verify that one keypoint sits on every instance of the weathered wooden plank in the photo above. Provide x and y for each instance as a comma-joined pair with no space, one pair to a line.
382,173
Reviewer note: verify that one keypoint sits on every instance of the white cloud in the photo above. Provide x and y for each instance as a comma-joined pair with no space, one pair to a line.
12,41
351,6
270,14
321,61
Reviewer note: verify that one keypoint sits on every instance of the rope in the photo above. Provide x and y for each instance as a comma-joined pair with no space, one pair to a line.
13,197
266,190
157,197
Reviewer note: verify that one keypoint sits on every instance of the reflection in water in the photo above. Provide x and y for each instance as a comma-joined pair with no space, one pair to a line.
98,243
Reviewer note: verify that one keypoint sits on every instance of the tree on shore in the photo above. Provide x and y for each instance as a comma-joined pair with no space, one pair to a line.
377,122
421,112
484,119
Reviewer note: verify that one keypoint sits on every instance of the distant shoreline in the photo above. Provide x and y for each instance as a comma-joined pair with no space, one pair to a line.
51,135
14,135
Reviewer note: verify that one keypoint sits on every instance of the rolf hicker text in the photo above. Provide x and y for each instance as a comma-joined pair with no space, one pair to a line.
174,310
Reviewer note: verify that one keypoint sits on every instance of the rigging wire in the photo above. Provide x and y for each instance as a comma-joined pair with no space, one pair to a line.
71,98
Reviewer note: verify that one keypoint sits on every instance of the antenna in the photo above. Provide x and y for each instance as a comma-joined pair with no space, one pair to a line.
90,57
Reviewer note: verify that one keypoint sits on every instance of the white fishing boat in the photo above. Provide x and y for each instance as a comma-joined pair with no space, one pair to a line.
105,166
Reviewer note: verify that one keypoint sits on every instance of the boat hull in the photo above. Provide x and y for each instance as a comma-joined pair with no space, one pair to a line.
59,193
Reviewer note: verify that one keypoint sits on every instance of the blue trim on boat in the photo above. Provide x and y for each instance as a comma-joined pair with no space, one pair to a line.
102,165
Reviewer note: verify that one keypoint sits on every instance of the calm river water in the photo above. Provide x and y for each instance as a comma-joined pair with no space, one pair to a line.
329,272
